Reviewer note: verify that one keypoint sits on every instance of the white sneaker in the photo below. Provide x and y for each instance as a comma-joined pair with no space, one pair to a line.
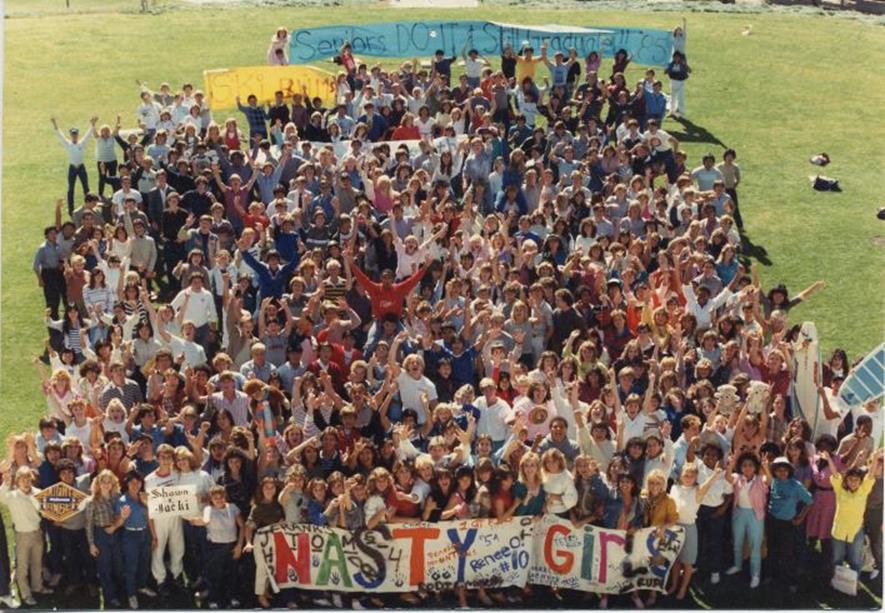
754,582
356,605
213,605
146,591
337,602
714,578
322,601
874,573
733,570
234,603
30,601
133,602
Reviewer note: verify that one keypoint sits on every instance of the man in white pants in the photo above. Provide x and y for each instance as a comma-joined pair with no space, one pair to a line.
165,530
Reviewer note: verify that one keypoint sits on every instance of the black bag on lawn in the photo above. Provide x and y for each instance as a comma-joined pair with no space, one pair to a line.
826,184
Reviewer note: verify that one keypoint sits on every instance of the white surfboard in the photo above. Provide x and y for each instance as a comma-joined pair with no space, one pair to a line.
804,399
866,381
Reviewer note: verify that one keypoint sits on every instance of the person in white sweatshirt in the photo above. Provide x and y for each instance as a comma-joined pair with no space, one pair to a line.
559,484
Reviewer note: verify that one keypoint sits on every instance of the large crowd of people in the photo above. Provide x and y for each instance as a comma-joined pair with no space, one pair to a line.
536,306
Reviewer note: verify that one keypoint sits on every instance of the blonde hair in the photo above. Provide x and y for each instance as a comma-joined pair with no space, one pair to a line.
529,456
103,476
657,476
183,452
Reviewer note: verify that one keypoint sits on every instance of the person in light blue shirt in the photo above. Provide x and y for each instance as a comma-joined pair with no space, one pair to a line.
343,120
784,527
655,103
707,174
269,177
135,539
560,67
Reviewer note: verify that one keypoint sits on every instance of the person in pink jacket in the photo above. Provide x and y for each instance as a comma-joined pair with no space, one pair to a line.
748,518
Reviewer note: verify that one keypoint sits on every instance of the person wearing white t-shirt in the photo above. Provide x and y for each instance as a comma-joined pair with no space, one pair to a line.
165,531
833,412
713,508
412,382
194,354
196,303
633,420
688,496
189,473
494,414
80,426
473,65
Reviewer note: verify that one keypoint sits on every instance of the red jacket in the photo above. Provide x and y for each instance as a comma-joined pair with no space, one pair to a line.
387,301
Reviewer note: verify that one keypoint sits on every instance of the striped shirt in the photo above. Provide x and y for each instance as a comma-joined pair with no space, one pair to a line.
129,394
105,149
99,514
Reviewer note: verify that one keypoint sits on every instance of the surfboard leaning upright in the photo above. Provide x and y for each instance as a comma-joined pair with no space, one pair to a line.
806,373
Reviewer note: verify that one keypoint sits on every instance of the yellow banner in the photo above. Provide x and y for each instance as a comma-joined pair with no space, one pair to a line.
225,84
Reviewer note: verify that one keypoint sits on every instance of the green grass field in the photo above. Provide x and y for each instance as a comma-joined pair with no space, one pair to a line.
797,86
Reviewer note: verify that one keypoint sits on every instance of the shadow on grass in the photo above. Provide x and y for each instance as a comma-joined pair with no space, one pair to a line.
752,251
693,133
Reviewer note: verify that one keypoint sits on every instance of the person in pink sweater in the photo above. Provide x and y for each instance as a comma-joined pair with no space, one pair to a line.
748,520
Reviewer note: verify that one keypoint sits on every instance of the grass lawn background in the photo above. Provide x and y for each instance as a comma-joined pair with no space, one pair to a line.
797,86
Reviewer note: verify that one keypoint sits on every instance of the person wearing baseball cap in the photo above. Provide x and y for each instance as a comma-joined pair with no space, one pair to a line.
75,147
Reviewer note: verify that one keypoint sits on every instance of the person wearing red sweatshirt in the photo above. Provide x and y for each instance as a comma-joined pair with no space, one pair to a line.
387,297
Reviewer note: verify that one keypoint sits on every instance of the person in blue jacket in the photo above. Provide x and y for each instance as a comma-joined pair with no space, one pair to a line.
272,277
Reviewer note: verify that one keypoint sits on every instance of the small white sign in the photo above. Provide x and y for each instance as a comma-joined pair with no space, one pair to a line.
173,501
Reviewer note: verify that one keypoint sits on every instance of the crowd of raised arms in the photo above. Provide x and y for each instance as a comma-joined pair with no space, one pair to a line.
507,316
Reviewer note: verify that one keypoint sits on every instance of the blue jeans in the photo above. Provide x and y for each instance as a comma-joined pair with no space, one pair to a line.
852,550
744,525
78,564
75,173
195,551
221,573
108,563
136,547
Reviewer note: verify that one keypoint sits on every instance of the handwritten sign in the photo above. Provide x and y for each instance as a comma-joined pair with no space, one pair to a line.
423,38
224,85
600,560
173,501
60,502
474,553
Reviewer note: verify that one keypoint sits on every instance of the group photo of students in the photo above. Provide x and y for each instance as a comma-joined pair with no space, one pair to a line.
463,287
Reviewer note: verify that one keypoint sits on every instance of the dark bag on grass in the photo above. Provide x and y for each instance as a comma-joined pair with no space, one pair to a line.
826,184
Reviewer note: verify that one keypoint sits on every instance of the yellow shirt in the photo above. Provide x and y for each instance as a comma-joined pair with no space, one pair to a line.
525,68
850,507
